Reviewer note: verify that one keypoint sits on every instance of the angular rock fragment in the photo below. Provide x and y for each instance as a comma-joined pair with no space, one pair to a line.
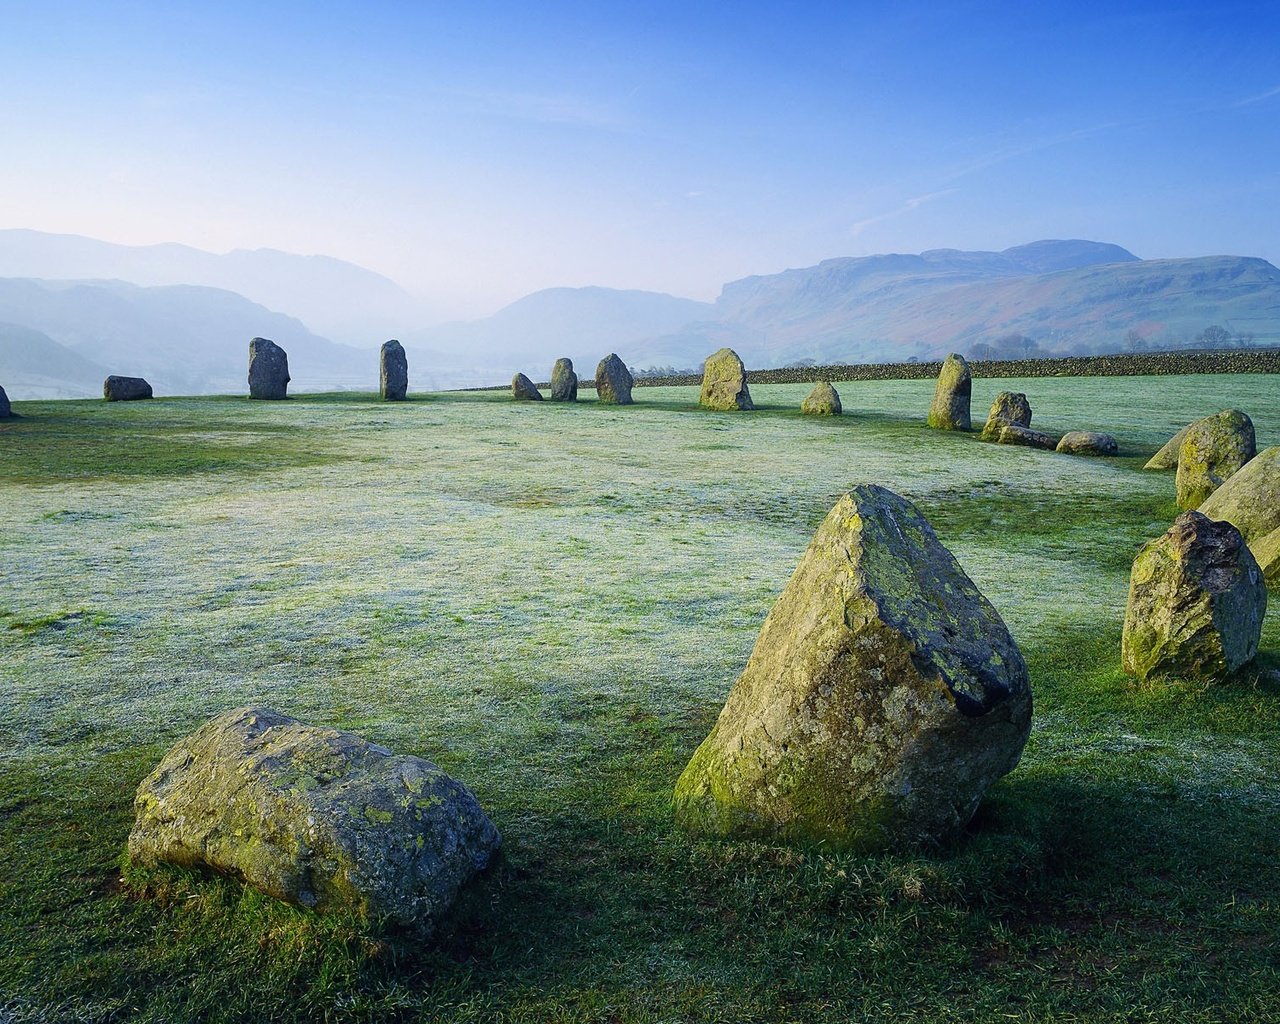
1196,603
613,381
125,389
950,408
724,382
1088,442
1213,449
564,382
317,817
393,372
524,390
883,696
268,370
823,400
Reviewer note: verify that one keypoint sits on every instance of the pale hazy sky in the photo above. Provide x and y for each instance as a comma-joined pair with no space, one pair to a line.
476,151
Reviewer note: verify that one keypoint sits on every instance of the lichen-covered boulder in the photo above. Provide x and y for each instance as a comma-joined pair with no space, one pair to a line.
1250,501
1088,442
268,370
125,389
317,817
1011,433
6,410
1167,456
524,390
1196,603
1214,448
1010,408
393,372
950,408
823,400
883,696
613,381
724,382
564,382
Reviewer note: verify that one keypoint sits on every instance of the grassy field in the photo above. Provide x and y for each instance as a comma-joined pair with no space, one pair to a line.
551,602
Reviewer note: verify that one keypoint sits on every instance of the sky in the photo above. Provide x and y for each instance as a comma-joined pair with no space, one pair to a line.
475,152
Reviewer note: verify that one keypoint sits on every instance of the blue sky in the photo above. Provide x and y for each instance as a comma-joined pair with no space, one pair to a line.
475,152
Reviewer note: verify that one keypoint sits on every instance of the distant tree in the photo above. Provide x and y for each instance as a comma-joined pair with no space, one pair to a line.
1215,336
1135,342
982,350
1017,346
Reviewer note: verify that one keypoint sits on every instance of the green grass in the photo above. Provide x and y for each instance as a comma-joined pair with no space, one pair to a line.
552,603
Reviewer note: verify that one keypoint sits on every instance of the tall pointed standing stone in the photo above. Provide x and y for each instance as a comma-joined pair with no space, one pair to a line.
393,372
564,382
268,370
5,409
613,381
724,382
950,408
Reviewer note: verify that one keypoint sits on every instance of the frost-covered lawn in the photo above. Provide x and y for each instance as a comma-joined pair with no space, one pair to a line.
551,602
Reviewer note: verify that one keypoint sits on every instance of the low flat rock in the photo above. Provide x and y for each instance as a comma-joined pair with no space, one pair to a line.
1167,456
1250,501
524,390
125,389
1088,442
268,370
883,696
393,372
1213,449
6,410
1196,603
823,400
316,817
564,382
724,382
1010,408
1011,433
951,397
613,381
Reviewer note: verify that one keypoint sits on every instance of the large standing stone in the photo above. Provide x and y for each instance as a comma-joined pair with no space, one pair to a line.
1214,448
524,390
1196,603
724,382
1088,442
393,372
823,400
1010,408
1167,456
6,410
1250,501
125,389
317,817
268,370
564,382
883,696
950,408
613,381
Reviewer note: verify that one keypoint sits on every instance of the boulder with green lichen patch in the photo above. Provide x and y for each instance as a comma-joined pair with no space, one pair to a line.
1010,408
1213,449
724,382
1196,603
951,397
317,817
823,400
613,381
564,382
1167,456
1250,501
883,696
524,390
1087,442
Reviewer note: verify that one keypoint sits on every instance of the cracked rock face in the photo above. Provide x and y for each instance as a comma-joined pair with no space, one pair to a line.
393,372
950,408
1197,599
724,382
883,697
317,817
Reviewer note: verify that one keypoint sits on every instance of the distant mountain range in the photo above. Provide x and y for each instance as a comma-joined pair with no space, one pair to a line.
61,336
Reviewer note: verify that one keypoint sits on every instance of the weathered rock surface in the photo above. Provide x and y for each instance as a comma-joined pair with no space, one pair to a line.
268,370
1088,442
1250,501
524,390
1167,456
393,372
564,382
6,410
125,389
613,381
1196,603
1011,433
724,382
317,817
1214,448
883,696
950,408
1010,408
823,400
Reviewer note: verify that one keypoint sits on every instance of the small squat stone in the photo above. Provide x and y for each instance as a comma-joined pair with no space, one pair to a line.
1087,442
823,400
1009,408
393,372
1010,433
524,390
613,381
125,389
564,382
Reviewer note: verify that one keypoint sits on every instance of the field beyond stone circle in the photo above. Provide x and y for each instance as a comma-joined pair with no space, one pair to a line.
551,602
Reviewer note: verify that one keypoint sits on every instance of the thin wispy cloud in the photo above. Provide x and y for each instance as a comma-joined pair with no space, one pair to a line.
1248,101
858,227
